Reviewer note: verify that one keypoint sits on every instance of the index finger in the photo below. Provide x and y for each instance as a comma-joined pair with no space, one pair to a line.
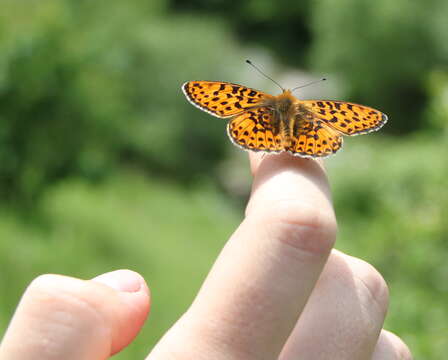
263,277
292,179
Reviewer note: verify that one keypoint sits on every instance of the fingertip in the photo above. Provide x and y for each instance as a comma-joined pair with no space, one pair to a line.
390,346
93,318
122,280
284,176
134,292
255,158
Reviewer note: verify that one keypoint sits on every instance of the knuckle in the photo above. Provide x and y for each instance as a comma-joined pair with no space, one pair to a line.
44,284
373,283
68,295
390,346
306,228
61,307
401,350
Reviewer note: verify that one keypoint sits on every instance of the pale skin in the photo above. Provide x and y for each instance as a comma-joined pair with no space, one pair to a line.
278,290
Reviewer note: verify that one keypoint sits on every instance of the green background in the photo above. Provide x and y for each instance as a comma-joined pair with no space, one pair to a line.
100,153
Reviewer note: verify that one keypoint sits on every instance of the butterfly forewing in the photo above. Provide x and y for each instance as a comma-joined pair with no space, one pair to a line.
347,118
222,99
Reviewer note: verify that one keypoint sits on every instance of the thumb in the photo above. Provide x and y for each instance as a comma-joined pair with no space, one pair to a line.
61,317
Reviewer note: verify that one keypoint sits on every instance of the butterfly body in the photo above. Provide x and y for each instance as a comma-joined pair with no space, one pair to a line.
282,107
286,116
282,123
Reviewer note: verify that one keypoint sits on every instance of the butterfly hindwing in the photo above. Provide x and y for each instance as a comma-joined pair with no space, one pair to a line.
314,139
252,130
347,118
222,99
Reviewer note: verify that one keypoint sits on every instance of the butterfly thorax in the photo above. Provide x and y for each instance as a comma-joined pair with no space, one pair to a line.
287,115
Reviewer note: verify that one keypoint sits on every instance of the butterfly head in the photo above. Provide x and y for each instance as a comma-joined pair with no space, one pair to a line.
284,101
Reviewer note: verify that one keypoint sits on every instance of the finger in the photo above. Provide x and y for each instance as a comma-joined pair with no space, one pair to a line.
66,318
391,347
262,279
255,159
310,189
344,315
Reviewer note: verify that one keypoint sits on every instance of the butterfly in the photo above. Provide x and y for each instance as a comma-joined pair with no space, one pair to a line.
282,123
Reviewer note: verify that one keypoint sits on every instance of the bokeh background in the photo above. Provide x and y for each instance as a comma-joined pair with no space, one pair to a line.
104,164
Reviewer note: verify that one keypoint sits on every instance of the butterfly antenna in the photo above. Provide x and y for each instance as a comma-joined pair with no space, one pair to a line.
266,76
310,83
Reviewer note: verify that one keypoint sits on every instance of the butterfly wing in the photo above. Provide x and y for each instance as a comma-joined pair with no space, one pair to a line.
346,118
253,130
313,139
222,99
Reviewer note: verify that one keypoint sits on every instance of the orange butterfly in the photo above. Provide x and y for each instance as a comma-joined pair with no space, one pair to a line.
273,124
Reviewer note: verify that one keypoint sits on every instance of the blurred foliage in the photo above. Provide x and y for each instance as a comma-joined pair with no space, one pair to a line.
159,230
382,51
385,51
97,143
79,96
392,208
282,26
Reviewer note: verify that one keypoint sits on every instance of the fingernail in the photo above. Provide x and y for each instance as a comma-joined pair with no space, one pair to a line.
121,280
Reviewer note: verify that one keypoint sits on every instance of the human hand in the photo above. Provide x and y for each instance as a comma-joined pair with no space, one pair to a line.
276,291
